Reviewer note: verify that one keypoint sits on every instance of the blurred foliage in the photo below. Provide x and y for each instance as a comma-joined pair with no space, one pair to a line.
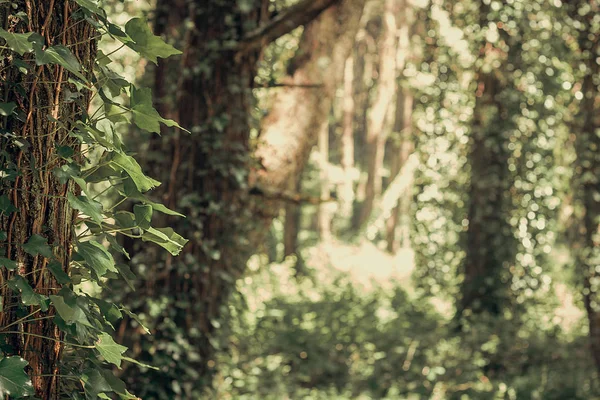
324,334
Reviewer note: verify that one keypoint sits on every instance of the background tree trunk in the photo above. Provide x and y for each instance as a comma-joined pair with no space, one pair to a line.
37,194
376,135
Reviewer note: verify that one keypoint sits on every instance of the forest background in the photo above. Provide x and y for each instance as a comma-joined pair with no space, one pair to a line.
336,199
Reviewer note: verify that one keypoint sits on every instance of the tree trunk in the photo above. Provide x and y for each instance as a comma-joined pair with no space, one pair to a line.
37,194
402,145
587,173
206,177
347,143
401,148
324,215
293,215
376,135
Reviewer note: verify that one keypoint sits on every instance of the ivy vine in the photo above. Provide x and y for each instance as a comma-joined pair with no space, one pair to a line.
93,157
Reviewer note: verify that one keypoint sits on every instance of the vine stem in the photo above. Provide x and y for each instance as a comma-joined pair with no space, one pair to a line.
49,338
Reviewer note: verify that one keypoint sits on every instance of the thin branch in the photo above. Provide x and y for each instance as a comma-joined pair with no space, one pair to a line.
285,22
281,85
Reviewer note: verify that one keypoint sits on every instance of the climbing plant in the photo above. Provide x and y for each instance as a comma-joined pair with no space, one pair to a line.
60,161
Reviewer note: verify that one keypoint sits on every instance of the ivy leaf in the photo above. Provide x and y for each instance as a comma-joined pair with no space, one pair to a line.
6,206
66,307
91,6
59,55
146,43
127,275
18,42
111,351
131,191
8,264
143,215
91,208
166,238
94,384
3,236
28,296
133,169
6,109
38,245
13,379
144,114
136,318
59,274
96,257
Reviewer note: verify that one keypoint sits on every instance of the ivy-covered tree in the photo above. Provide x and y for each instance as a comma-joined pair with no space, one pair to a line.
55,340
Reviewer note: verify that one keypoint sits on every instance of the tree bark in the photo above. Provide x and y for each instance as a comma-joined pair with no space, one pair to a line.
290,131
37,194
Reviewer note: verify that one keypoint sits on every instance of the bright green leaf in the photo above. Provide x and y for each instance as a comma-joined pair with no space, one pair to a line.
96,257
59,55
13,379
19,42
111,351
91,208
67,308
143,215
146,43
144,114
166,238
28,296
90,5
133,169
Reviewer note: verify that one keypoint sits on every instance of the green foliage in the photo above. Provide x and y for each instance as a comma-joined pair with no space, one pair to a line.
85,322
13,379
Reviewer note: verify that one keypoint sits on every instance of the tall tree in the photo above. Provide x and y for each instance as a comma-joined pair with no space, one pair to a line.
44,215
208,179
376,135
587,168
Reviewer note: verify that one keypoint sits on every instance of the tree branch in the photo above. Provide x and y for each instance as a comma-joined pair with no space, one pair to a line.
285,22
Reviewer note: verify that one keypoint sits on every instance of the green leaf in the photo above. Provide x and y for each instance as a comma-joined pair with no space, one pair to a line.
3,236
127,275
6,206
131,191
91,208
13,379
18,42
146,43
94,384
96,257
134,361
143,215
144,114
65,151
111,351
166,238
133,169
28,296
136,318
38,245
59,274
6,109
110,311
67,308
8,264
59,55
91,6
